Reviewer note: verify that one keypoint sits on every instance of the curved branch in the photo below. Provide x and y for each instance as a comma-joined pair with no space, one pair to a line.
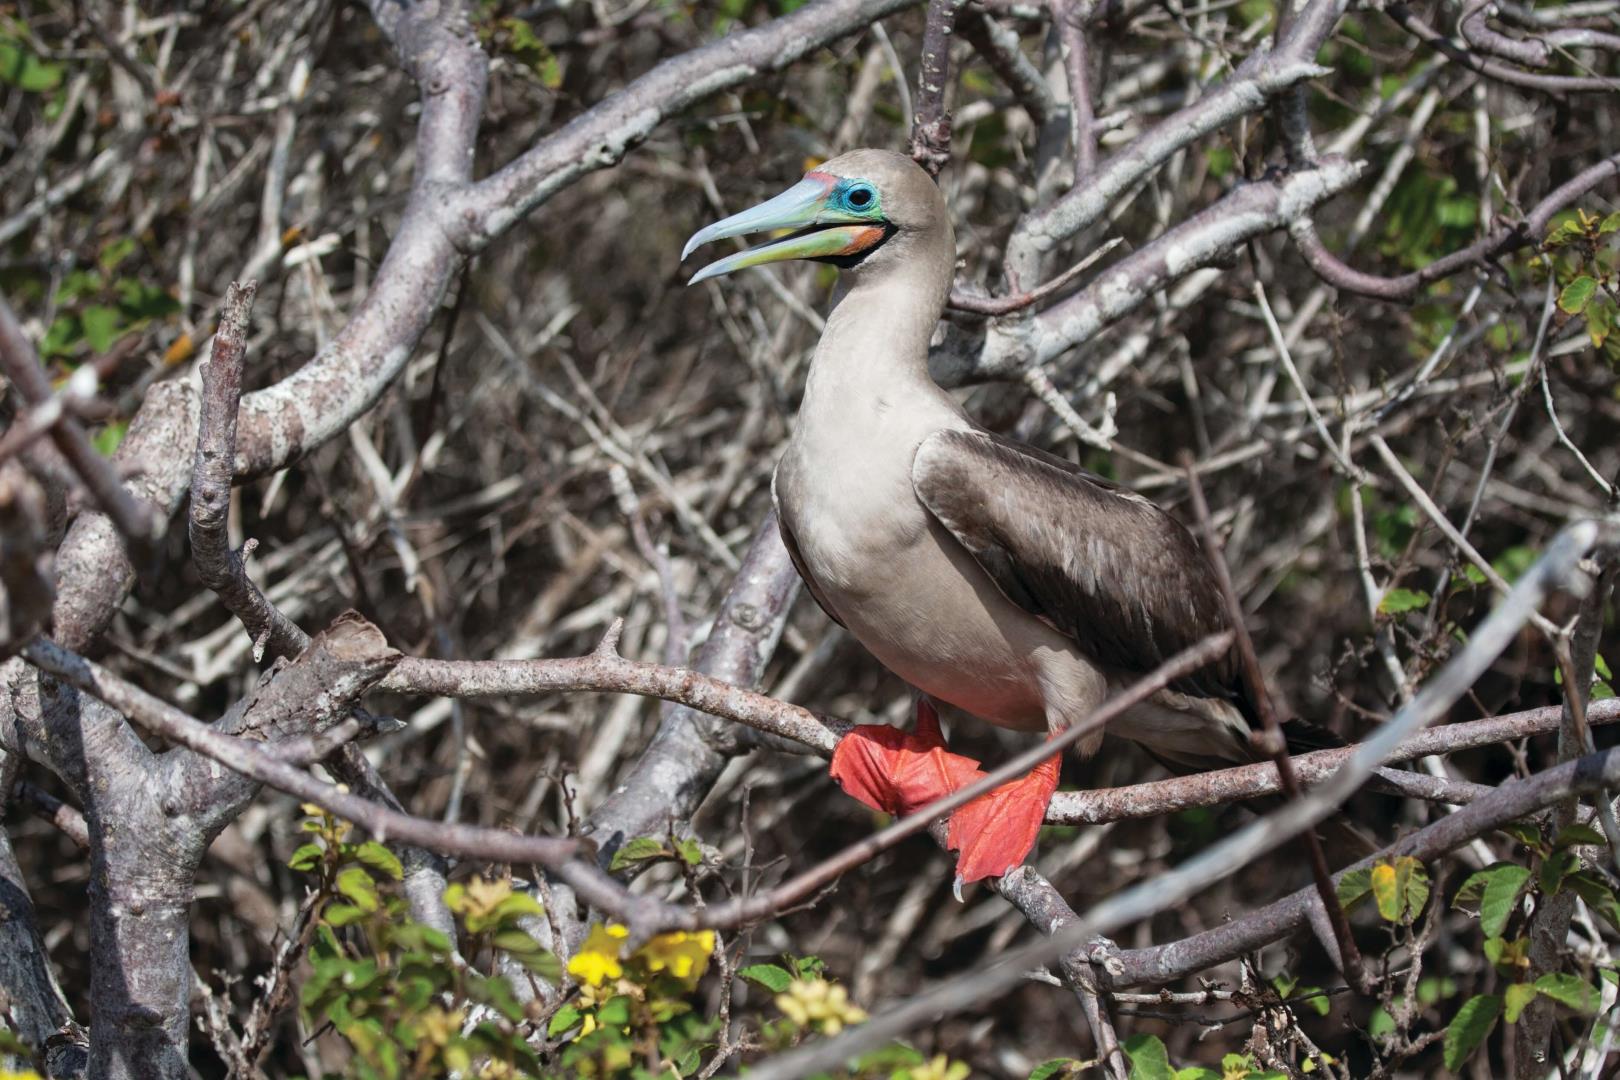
1550,84
1493,245
604,133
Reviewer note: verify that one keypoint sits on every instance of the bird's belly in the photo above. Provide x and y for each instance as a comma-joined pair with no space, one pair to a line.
928,615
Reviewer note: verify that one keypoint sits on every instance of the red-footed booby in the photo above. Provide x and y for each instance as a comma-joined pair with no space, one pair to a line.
987,574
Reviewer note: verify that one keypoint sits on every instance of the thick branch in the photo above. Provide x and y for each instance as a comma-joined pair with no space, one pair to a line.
603,134
1209,236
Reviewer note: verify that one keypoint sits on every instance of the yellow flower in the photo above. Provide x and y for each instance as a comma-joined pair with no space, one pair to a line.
819,1004
940,1067
598,958
683,955
439,1026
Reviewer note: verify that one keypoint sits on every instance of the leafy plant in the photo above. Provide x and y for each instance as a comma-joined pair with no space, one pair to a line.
1580,252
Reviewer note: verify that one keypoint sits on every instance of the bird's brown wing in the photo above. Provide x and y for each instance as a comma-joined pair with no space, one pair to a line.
1098,563
792,546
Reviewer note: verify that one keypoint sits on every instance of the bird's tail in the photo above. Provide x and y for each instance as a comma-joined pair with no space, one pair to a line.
1191,734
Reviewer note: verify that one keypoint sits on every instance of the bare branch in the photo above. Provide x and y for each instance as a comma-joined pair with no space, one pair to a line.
1493,245
1551,84
931,127
220,568
602,135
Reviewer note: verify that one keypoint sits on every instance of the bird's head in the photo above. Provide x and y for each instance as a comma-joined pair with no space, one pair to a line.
865,209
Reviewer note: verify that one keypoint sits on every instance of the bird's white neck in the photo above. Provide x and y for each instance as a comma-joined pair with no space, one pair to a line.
873,355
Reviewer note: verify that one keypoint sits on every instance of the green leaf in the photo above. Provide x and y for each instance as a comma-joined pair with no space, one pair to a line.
519,905
1610,224
115,252
1510,957
1385,881
1431,989
533,52
1317,1002
102,325
563,1019
108,439
1601,666
615,1013
1565,232
22,69
1554,869
543,964
1473,1024
1570,835
1597,895
637,850
342,914
1573,297
1517,997
1400,885
1497,889
1397,601
307,857
355,884
1524,832
771,977
1354,885
376,857
1149,1059
1570,990
1197,1072
690,851
1056,1067
1600,320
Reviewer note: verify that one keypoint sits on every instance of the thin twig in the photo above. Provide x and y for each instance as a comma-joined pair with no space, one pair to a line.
1276,744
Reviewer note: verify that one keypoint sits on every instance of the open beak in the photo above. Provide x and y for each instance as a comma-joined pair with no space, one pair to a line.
822,230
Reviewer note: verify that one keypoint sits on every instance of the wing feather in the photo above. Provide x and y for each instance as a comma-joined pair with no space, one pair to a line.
1100,564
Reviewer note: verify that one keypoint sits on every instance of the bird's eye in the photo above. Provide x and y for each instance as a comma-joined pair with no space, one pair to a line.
860,197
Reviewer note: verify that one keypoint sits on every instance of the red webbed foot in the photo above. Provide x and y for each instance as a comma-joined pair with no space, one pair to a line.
993,833
900,772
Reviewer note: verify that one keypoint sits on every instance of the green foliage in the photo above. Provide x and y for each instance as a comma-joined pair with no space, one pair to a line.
22,68
1426,216
771,977
650,849
397,990
1580,252
1399,886
1397,601
1494,892
1149,1060
516,38
99,306
1312,997
1471,1027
